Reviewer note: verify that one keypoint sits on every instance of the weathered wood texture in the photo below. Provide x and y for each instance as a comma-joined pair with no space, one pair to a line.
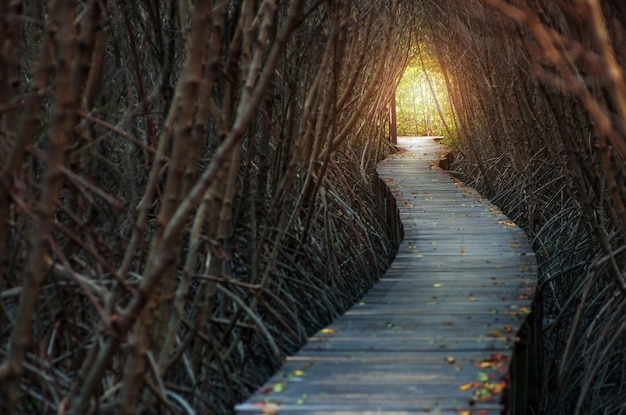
437,333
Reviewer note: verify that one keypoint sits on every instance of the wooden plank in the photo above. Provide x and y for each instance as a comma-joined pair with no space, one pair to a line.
437,333
258,407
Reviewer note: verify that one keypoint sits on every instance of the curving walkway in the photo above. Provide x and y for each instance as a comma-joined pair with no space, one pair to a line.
437,333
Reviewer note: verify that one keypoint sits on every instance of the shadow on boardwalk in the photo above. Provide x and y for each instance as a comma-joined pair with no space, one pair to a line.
437,333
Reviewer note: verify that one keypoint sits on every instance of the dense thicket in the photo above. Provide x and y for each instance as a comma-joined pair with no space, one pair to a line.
186,188
186,192
540,99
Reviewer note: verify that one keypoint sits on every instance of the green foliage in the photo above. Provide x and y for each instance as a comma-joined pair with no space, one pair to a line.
422,103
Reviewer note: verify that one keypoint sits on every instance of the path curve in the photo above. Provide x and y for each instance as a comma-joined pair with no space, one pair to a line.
437,333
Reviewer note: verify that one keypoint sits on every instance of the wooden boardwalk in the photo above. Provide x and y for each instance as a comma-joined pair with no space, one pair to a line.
437,333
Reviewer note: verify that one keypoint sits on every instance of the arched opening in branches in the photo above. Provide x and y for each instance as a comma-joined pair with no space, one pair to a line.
422,104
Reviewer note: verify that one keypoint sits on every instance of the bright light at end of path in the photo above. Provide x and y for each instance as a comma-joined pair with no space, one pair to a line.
422,104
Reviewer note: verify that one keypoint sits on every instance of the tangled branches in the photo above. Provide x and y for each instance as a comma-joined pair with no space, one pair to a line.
185,194
540,96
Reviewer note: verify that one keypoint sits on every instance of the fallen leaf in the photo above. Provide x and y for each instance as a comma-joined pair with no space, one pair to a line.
329,331
482,376
449,359
498,387
502,222
465,386
267,407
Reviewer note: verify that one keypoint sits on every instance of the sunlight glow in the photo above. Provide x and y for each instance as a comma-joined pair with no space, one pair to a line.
422,104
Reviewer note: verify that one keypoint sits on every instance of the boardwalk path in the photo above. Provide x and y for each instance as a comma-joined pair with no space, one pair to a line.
436,334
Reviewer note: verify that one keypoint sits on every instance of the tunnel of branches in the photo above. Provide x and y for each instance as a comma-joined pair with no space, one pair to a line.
188,189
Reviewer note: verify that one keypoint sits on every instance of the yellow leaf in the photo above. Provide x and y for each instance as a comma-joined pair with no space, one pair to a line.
498,387
267,407
437,285
465,386
329,331
450,359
